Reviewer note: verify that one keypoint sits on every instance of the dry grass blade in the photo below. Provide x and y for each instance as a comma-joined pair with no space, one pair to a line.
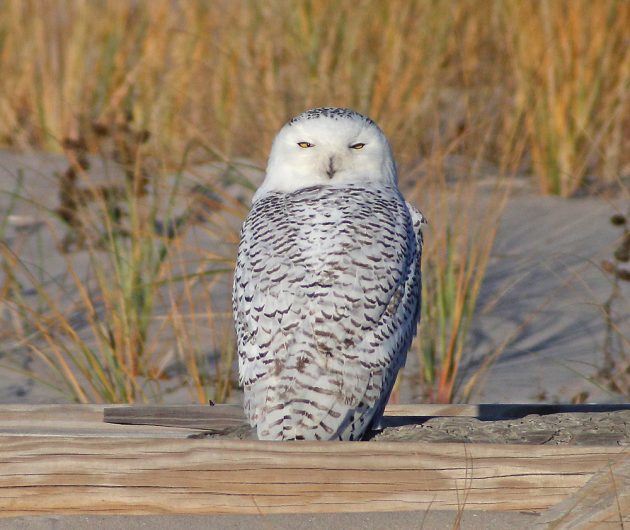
101,329
571,66
461,231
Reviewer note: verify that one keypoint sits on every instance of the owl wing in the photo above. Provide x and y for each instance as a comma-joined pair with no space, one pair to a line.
268,304
393,319
326,301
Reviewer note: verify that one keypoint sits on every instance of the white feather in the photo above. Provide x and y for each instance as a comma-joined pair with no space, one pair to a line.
327,284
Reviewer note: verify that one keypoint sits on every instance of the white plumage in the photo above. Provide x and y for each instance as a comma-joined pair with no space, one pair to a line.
327,283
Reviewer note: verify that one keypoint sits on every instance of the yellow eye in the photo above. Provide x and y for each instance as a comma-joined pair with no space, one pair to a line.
304,145
357,146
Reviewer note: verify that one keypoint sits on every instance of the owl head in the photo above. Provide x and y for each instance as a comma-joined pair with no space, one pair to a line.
328,146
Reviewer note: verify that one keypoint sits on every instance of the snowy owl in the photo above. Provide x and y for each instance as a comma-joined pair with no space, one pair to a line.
327,282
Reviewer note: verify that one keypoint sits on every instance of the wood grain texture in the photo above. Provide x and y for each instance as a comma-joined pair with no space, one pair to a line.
43,475
221,417
205,417
604,502
74,421
178,421
63,459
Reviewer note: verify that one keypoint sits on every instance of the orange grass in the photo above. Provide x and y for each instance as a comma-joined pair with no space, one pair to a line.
554,75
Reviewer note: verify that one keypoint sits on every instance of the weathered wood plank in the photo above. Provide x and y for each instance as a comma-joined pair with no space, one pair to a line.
206,417
74,421
604,502
221,417
88,475
178,421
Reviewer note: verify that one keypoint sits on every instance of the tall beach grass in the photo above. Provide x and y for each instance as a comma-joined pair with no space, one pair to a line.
552,75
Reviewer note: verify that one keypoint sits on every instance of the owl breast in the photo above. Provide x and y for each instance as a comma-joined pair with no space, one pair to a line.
326,303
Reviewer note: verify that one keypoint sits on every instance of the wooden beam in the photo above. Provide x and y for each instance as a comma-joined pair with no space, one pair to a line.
604,502
205,417
222,417
64,459
74,421
57,475
178,421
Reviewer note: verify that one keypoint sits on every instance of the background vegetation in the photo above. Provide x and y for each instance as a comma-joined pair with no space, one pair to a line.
545,83
463,90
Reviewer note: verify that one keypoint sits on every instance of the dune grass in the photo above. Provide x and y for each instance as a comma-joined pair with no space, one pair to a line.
553,76
571,64
120,324
459,243
539,88
614,372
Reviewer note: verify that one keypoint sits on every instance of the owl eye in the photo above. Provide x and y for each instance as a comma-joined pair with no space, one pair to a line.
357,146
304,145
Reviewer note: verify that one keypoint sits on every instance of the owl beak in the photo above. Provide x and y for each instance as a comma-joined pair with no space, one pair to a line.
331,169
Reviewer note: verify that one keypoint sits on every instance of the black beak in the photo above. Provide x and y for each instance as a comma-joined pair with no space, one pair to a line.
330,171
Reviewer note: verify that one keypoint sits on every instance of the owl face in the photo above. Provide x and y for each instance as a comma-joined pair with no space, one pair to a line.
328,146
